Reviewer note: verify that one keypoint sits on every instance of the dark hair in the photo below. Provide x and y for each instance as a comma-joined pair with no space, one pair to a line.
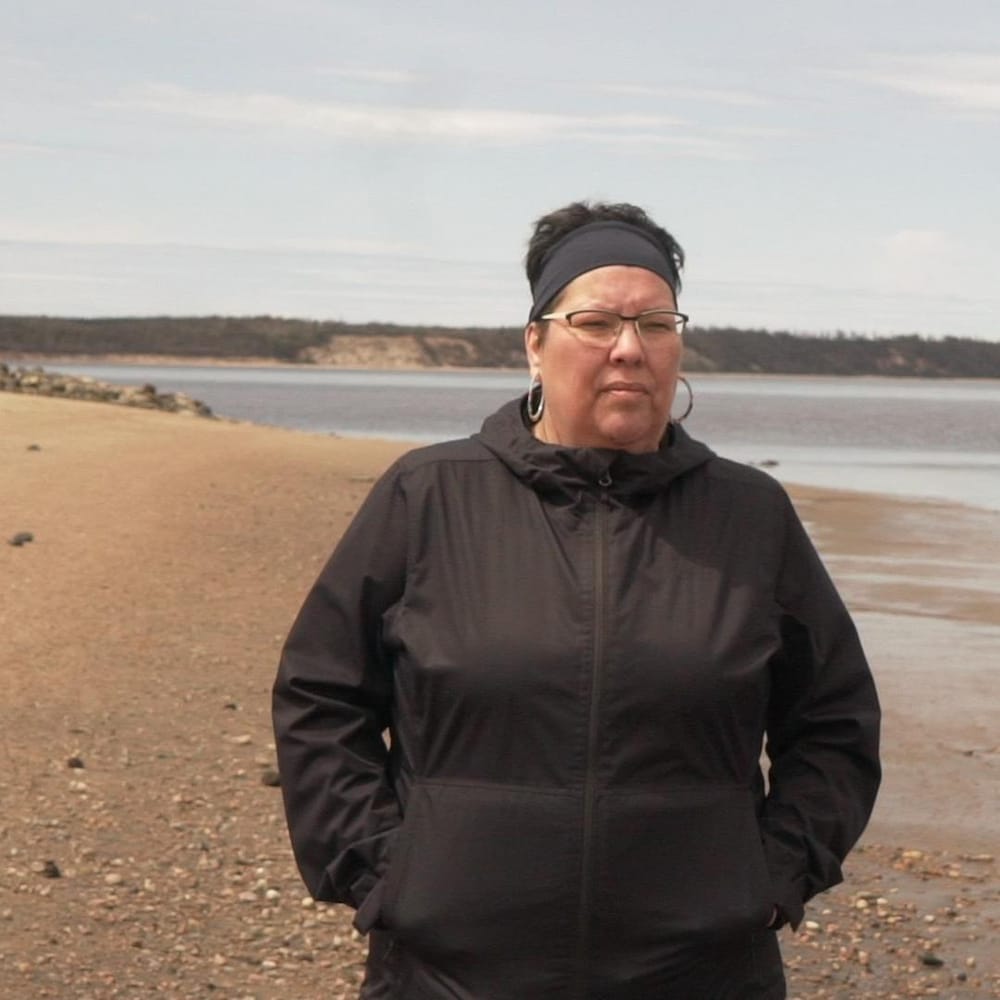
551,228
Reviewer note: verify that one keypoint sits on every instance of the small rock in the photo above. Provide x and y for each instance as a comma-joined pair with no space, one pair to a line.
243,740
271,778
47,869
34,447
75,762
114,878
929,958
21,538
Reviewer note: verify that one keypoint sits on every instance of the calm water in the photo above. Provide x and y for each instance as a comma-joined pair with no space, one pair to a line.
913,437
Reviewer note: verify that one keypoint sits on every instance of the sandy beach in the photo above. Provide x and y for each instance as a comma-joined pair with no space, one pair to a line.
144,852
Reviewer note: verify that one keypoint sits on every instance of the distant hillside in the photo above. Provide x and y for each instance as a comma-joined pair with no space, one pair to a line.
263,337
384,345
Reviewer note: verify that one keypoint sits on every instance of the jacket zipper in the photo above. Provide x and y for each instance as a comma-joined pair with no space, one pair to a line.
593,737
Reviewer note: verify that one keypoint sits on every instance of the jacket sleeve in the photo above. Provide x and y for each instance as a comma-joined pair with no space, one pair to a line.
822,732
332,702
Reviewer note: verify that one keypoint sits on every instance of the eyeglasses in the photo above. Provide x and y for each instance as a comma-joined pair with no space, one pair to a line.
600,328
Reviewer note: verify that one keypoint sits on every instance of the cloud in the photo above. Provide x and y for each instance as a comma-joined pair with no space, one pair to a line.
16,237
428,276
961,80
14,148
92,238
60,276
915,260
422,124
321,257
88,234
387,76
15,62
733,98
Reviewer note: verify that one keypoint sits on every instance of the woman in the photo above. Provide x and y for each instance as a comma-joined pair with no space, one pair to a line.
577,627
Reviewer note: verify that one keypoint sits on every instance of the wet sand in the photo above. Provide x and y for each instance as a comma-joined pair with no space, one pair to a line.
140,630
923,581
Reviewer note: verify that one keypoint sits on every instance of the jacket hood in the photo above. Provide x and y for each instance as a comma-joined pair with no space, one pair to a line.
559,469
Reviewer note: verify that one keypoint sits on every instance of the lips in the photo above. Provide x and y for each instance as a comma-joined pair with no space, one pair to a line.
633,387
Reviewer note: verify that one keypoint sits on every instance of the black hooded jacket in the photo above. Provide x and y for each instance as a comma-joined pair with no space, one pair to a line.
576,654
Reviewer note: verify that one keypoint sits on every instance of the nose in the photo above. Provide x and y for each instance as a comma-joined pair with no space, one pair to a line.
628,348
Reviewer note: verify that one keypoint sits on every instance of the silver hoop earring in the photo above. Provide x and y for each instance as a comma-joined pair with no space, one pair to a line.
690,406
536,399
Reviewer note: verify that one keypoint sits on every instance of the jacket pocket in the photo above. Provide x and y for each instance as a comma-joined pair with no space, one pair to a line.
483,871
679,865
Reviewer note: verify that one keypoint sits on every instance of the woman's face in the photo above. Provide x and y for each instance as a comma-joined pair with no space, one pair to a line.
610,397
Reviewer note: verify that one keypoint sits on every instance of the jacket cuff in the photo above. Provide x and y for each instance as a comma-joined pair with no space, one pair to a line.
790,909
370,907
361,888
787,915
786,884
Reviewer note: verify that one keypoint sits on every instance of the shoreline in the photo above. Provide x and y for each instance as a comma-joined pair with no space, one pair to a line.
964,485
186,361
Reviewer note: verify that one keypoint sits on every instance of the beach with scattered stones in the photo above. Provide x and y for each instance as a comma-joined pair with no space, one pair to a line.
143,851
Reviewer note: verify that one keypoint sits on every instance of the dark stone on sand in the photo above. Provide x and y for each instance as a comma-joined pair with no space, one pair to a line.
76,762
50,869
21,538
271,778
34,447
929,958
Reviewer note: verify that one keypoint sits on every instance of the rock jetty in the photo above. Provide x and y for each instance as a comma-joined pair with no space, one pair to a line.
38,382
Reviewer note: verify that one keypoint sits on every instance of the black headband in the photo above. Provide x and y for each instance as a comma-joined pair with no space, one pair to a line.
598,244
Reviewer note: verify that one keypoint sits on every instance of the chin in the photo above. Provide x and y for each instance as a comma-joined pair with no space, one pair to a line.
633,438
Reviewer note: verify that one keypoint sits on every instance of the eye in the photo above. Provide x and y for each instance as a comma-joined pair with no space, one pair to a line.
594,322
660,324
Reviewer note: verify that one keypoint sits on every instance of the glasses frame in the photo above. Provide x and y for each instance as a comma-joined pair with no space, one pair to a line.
622,320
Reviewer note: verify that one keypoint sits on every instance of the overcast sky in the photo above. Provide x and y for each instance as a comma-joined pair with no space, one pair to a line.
826,165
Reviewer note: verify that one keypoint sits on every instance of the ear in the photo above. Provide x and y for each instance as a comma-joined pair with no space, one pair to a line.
533,345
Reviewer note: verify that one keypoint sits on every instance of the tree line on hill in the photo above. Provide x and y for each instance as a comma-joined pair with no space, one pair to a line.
719,349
